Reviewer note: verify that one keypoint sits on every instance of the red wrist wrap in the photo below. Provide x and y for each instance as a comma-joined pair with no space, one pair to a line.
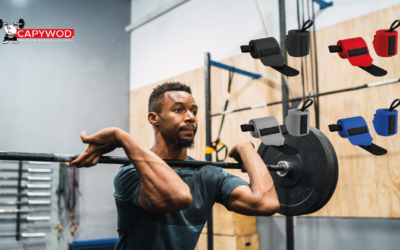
385,43
356,50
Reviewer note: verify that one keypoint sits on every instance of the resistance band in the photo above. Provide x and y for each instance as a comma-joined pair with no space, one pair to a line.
67,195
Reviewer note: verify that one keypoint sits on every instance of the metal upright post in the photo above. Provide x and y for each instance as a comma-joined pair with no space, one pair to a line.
18,221
207,71
282,29
316,105
289,232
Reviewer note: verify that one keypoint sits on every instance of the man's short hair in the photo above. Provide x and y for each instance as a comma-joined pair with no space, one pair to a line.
157,96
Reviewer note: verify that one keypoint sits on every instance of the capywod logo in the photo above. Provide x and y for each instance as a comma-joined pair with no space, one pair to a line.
11,30
12,34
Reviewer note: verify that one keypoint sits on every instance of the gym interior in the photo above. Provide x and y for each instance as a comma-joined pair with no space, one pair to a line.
301,93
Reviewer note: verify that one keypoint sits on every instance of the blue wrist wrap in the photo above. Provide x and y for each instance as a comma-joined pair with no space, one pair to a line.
356,130
385,120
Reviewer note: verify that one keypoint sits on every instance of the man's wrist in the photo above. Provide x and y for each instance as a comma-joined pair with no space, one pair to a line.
245,146
119,137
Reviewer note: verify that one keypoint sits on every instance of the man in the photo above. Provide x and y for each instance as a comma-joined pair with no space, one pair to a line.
162,207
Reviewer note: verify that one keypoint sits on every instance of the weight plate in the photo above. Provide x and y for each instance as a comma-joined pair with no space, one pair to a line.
311,181
21,23
333,188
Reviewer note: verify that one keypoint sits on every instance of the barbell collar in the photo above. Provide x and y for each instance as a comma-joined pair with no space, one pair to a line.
287,168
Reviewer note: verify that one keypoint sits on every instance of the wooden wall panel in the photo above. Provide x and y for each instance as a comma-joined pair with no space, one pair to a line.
369,186
228,242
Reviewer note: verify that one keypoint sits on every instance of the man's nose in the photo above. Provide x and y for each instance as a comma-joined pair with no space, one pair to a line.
190,115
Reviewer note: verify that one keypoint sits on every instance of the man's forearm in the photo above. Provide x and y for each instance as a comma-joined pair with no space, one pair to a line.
261,182
160,183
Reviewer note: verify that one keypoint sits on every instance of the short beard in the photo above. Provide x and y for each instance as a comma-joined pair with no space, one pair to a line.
182,143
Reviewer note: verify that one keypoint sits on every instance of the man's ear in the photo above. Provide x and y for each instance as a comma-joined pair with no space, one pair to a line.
152,117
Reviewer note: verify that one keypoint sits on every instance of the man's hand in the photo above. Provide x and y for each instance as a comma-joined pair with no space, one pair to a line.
235,154
100,143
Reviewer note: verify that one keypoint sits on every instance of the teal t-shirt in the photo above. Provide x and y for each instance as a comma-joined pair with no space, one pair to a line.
141,230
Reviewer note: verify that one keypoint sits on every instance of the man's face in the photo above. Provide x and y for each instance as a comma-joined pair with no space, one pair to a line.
178,118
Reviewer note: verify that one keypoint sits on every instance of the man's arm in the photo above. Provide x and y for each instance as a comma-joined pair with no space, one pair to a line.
161,191
260,198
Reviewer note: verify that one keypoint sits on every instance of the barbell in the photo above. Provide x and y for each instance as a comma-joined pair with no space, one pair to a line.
21,23
18,156
304,182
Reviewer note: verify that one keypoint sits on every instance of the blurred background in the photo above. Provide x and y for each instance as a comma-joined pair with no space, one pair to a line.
51,91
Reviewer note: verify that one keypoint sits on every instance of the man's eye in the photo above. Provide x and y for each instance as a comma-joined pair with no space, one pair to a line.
177,109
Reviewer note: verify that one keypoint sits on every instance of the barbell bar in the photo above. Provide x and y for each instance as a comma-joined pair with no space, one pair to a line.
20,23
49,157
368,85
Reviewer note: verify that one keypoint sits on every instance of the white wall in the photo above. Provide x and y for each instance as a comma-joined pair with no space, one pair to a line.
175,43
51,91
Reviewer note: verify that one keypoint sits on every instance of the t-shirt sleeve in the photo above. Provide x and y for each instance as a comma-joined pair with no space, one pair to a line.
227,185
127,184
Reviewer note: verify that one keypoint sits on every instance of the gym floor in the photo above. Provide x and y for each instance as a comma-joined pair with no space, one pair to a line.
53,89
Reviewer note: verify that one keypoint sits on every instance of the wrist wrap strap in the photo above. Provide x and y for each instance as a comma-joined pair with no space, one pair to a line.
298,120
269,52
385,120
385,41
269,131
356,50
297,42
356,130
